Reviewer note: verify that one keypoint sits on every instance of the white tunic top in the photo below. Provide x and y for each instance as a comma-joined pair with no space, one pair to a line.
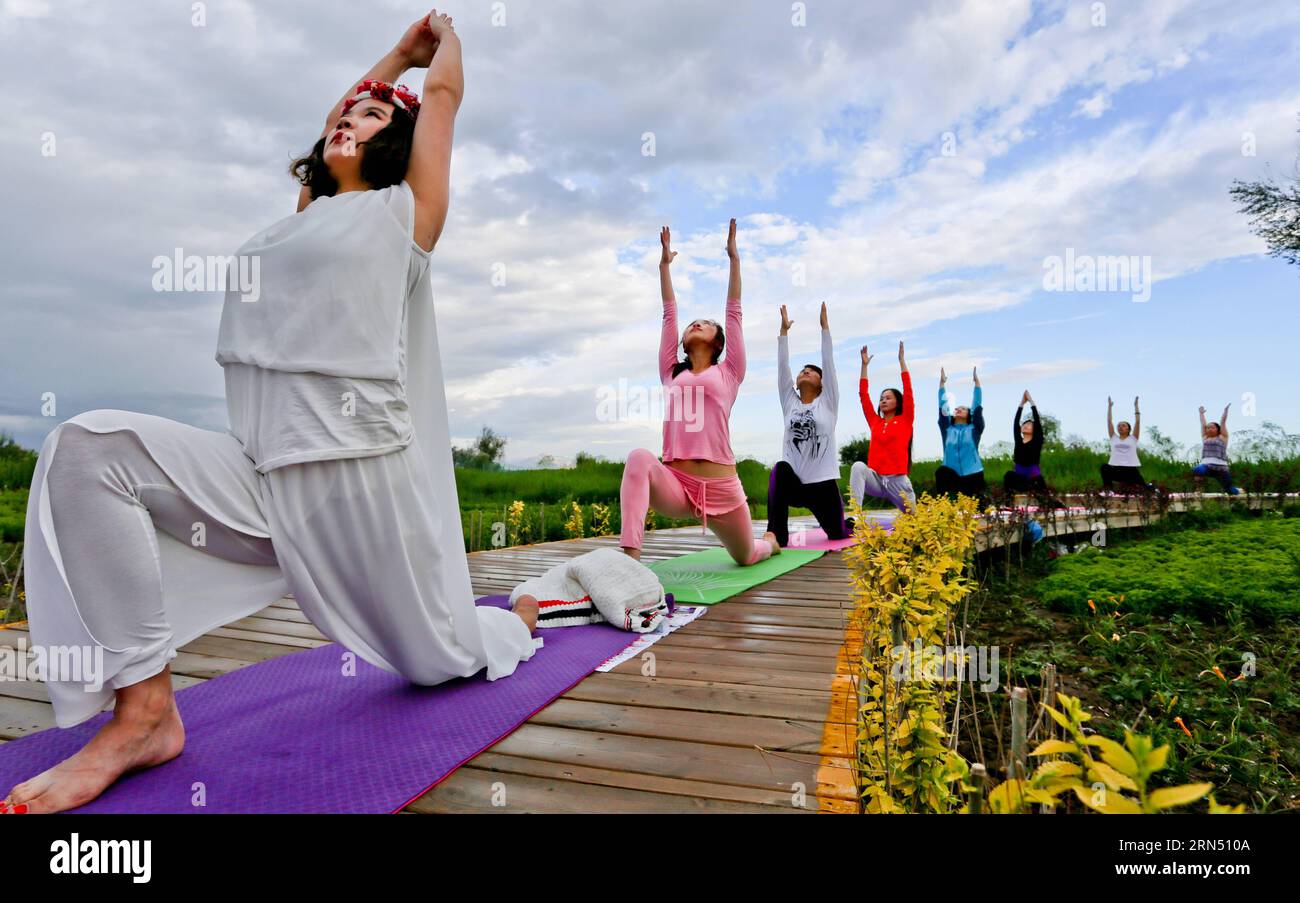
1124,452
315,358
808,443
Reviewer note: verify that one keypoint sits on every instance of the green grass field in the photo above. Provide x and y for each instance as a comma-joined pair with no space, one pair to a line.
547,494
1173,603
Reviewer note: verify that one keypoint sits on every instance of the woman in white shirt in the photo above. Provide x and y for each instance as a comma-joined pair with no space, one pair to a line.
1123,466
334,482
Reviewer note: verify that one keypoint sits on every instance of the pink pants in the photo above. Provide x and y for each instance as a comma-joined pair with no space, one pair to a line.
718,501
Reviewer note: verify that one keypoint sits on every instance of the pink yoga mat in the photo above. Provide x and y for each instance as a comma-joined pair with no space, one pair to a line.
814,538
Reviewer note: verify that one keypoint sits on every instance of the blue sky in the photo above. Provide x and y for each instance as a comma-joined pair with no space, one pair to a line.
824,140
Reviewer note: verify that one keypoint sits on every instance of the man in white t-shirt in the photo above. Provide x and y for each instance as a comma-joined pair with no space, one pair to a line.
807,476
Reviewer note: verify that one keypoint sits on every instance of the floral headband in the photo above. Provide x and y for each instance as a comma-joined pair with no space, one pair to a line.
399,96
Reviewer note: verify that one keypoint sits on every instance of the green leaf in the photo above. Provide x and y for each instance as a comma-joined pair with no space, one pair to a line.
1168,797
1157,758
1115,755
1116,804
1115,780
1054,747
1059,718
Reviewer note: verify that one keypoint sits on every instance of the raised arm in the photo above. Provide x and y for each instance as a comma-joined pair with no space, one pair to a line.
830,382
415,49
977,412
1015,424
734,360
733,279
1202,413
429,172
668,336
909,408
945,414
1039,438
1223,423
1137,419
1110,417
784,381
864,391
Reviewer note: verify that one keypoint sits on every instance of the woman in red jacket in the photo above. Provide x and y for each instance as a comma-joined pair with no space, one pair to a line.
889,456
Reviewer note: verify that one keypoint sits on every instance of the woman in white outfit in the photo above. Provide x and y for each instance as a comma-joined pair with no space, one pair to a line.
335,481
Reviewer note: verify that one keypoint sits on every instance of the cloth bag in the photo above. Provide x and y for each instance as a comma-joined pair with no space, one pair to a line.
601,585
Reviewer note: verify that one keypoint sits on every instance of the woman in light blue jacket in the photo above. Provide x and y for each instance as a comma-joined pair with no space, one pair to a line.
962,469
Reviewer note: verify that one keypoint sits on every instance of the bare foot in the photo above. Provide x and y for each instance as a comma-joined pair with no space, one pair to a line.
771,539
145,730
632,553
527,608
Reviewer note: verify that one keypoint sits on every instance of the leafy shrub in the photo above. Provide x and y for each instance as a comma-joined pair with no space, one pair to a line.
1247,566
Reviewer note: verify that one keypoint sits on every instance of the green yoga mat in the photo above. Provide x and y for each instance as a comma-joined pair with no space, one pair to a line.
704,578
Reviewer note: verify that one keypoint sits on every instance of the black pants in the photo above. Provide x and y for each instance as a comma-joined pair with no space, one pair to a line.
1015,482
947,482
785,491
1125,476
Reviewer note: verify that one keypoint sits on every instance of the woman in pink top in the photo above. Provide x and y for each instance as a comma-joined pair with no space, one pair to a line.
697,477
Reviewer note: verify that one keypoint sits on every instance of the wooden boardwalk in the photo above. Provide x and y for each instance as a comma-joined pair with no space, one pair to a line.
748,708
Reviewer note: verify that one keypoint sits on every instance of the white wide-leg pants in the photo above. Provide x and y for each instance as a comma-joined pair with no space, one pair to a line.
144,533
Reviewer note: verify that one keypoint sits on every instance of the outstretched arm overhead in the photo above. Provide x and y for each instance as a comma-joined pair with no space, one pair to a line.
945,413
977,408
429,172
864,391
668,335
784,381
414,51
734,360
1223,423
1110,417
1015,423
830,381
1137,418
909,409
1203,424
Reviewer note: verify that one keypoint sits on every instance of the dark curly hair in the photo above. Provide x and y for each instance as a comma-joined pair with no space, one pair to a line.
383,163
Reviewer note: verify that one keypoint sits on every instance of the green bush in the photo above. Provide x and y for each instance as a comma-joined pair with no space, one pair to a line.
1249,566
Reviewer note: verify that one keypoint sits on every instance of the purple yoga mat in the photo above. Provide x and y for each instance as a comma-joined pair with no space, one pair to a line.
294,735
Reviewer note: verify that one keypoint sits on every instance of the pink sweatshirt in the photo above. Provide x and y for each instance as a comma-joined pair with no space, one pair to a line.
697,407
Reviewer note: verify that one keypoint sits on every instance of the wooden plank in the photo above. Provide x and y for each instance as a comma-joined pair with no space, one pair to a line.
586,774
753,673
20,717
777,734
743,644
664,651
744,766
470,789
696,697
